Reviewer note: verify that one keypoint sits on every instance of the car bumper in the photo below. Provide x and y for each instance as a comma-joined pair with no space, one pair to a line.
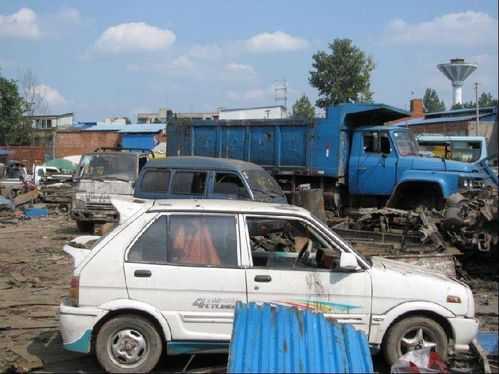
465,330
76,325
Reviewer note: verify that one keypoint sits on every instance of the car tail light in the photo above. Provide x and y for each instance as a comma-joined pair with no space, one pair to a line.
74,291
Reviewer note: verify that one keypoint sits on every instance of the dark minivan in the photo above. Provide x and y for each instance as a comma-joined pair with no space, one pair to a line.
206,178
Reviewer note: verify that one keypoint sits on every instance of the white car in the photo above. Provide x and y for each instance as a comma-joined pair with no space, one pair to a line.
168,277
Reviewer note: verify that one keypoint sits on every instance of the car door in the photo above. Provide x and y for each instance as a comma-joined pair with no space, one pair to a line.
377,166
187,266
276,275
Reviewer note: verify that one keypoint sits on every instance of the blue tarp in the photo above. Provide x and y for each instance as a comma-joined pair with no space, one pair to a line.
270,338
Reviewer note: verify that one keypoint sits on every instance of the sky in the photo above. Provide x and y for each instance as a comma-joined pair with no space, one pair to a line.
117,58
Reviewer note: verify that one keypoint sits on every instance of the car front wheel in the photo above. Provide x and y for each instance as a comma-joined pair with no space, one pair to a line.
414,333
128,344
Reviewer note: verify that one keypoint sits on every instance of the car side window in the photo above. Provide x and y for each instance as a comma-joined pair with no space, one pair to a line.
230,184
156,181
202,240
281,243
189,182
150,247
371,142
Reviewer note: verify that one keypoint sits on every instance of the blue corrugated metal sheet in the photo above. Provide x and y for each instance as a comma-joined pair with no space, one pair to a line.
269,338
138,140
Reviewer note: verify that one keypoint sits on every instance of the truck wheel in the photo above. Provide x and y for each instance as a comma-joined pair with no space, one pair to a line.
414,333
85,226
128,344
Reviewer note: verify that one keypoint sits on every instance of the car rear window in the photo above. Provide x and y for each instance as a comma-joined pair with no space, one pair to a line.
189,182
150,247
156,181
202,240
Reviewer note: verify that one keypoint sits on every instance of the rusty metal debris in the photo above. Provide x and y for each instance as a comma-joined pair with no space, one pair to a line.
471,220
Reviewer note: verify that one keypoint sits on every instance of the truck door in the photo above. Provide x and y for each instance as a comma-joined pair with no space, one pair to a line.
377,164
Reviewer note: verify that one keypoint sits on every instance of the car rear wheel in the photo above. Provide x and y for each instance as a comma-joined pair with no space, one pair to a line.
414,333
128,344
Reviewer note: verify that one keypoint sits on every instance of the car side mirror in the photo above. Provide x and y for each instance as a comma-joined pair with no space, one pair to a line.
348,261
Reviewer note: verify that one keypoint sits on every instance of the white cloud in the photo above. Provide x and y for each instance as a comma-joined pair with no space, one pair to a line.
134,36
462,29
50,94
254,94
70,15
206,52
275,41
22,24
239,68
181,63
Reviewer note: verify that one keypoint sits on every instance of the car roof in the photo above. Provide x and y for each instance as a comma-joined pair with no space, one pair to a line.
216,205
197,162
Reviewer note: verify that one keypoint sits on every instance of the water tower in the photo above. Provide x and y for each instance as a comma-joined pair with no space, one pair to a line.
457,71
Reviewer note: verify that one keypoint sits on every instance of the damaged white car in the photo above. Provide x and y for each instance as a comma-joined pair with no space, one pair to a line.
168,277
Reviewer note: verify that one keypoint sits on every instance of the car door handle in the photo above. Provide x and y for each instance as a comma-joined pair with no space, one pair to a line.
263,278
142,273
361,168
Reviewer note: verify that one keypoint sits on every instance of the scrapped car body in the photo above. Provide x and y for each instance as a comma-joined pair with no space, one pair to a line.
169,275
206,178
100,176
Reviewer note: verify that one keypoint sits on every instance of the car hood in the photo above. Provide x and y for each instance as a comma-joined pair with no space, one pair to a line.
437,164
397,282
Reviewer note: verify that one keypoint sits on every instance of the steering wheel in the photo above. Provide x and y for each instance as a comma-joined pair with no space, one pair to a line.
304,253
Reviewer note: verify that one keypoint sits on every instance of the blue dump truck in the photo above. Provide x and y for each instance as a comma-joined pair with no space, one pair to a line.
351,154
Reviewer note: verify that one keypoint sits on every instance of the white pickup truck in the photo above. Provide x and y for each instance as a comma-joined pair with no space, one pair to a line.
169,275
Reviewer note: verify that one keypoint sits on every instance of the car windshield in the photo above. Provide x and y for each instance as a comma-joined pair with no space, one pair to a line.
106,165
406,144
261,182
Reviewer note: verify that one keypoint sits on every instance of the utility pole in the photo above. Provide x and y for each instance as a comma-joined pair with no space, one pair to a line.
477,120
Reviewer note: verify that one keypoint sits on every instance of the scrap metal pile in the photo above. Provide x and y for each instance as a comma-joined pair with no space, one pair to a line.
469,222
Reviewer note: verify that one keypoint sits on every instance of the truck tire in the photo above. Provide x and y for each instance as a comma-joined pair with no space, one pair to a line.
128,344
85,226
413,333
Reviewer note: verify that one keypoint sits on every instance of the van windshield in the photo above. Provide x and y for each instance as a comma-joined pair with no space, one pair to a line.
110,166
261,182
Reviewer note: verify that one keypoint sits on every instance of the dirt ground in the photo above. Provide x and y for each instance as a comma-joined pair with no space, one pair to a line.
35,274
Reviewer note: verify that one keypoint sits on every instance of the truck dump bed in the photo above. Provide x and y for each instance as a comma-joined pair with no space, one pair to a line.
286,146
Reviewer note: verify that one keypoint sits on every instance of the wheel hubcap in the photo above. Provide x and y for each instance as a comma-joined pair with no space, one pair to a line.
417,338
127,347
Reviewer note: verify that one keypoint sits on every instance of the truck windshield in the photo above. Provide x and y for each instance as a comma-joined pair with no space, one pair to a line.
119,166
261,182
406,144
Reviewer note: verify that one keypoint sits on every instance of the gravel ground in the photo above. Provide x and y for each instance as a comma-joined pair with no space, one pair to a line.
35,274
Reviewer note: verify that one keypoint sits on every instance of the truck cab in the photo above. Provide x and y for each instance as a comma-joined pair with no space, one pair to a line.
100,176
386,161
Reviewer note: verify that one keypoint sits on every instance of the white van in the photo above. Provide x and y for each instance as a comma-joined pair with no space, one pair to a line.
168,277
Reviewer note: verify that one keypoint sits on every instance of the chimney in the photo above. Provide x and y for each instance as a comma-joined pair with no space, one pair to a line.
417,109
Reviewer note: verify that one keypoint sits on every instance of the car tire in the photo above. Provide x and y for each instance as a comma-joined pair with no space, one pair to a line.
405,335
85,226
128,344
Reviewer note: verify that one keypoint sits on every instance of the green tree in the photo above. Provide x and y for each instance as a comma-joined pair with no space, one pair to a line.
12,129
486,99
343,75
465,105
303,109
432,102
